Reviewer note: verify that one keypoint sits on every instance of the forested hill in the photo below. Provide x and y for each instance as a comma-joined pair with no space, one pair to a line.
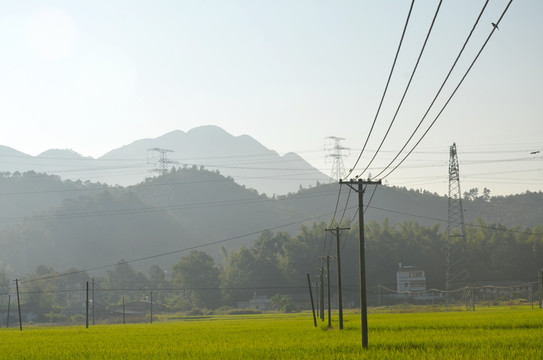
180,210
65,223
398,204
22,194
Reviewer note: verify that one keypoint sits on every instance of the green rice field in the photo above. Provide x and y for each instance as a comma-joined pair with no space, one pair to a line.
495,333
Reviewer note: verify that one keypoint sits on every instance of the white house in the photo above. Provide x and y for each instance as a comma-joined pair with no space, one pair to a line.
258,302
409,279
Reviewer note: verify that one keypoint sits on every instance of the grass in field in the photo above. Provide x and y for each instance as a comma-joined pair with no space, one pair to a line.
486,334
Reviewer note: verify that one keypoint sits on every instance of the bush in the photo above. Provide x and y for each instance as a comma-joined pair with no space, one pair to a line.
195,312
244,312
77,319
224,310
288,308
55,317
283,303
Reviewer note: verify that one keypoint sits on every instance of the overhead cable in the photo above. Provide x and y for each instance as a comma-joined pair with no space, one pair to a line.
453,93
385,91
439,91
406,88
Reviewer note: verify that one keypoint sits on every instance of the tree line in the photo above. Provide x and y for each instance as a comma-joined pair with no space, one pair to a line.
277,264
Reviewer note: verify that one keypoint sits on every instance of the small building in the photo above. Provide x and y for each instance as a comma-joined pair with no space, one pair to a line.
410,279
258,302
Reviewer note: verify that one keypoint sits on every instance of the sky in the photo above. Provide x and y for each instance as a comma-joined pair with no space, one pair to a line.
93,76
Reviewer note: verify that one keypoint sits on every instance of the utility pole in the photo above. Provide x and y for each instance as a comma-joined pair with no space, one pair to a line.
9,304
92,301
337,232
541,288
19,305
124,316
327,258
322,293
317,305
311,298
361,184
87,307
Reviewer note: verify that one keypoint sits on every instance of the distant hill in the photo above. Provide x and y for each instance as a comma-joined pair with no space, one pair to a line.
242,157
74,224
24,194
185,208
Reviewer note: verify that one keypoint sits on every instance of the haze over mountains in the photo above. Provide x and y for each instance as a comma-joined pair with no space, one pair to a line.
64,224
241,157
47,220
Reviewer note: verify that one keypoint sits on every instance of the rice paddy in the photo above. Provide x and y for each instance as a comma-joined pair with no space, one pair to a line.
496,333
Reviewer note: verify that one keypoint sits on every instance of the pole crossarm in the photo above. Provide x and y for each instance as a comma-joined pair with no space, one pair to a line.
351,183
335,231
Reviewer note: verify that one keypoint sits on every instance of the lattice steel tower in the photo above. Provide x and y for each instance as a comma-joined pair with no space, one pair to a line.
336,153
161,162
456,272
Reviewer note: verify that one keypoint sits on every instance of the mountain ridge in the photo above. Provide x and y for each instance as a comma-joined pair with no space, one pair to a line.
242,157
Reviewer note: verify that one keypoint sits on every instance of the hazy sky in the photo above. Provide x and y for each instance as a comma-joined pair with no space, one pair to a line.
95,75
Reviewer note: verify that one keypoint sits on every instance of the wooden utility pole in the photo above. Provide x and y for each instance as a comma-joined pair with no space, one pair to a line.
87,307
328,285
151,307
9,303
93,301
327,258
541,288
19,305
337,232
322,293
124,317
317,298
362,257
311,298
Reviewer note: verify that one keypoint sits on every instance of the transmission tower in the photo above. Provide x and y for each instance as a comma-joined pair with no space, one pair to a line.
159,159
336,153
456,272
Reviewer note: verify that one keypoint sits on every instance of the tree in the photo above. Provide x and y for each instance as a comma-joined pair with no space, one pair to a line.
123,280
237,278
4,287
282,303
37,291
472,194
198,274
157,280
486,195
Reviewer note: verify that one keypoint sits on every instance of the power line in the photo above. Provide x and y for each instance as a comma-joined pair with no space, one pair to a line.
148,209
337,204
346,204
440,89
179,250
453,93
489,227
385,90
406,88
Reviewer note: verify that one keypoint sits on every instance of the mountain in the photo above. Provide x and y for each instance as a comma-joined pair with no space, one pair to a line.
61,154
10,152
241,157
